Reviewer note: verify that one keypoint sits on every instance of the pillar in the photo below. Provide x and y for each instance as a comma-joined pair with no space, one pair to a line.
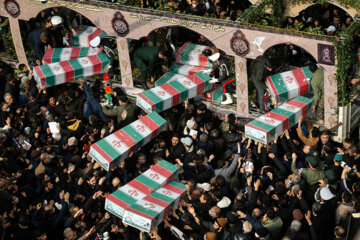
124,62
241,87
330,96
18,43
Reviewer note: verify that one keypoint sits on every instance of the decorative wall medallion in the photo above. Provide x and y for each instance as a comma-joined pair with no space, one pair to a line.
119,24
331,78
12,7
330,100
331,121
122,44
127,82
241,66
125,64
239,44
242,87
242,106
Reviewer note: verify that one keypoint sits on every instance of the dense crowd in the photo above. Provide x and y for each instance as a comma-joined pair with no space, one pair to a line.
301,186
319,19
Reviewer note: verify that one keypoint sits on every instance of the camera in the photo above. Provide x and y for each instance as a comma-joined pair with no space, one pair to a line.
248,171
344,165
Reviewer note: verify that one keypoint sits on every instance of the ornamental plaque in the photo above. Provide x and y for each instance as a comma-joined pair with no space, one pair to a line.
239,44
12,7
119,24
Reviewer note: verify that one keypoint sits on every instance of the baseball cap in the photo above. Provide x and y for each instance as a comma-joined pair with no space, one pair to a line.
331,29
312,160
338,157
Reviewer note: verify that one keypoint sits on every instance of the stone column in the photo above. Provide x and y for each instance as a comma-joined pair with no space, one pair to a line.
330,96
18,43
241,87
124,62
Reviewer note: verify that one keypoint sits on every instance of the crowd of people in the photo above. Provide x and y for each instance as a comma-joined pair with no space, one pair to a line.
327,21
321,19
301,186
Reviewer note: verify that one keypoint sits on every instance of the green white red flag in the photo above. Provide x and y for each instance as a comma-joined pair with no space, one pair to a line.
140,187
64,54
191,54
172,93
53,74
150,211
278,120
116,147
185,69
167,77
290,84
85,36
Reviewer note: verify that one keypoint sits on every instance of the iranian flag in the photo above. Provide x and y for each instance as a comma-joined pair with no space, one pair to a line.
116,147
215,94
127,195
168,167
172,193
159,175
167,77
85,36
64,54
278,120
53,74
260,131
185,69
191,54
290,84
145,214
140,187
150,211
172,93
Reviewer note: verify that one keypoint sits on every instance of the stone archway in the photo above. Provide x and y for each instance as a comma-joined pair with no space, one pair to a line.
294,10
123,49
49,8
29,14
330,85
311,54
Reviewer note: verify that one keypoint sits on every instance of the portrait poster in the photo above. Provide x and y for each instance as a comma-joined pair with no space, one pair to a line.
326,54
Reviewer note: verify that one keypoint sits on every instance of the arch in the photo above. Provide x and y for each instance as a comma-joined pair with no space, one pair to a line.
49,8
297,45
27,16
295,10
183,28
223,45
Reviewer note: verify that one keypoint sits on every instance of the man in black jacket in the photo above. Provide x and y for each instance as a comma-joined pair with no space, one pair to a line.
259,71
